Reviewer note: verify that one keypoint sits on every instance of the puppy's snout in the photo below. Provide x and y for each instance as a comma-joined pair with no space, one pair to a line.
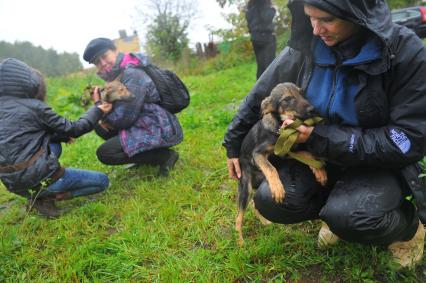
310,110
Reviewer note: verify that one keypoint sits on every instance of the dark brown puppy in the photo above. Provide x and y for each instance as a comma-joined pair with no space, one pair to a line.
284,102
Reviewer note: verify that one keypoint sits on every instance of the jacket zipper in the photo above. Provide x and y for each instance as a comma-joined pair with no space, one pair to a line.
333,92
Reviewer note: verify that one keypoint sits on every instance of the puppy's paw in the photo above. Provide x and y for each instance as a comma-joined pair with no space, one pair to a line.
277,192
320,175
259,216
241,242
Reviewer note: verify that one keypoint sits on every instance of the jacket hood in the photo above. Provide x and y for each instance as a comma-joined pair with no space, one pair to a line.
373,15
18,79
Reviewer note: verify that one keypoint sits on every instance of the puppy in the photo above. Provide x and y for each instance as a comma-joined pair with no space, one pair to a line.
112,91
284,102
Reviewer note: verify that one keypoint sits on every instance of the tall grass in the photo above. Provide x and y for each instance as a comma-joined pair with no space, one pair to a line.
176,229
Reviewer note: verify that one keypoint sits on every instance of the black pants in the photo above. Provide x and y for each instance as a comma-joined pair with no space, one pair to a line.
111,151
359,205
265,54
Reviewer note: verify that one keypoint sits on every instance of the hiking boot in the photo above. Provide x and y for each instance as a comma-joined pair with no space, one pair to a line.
45,207
168,165
408,253
326,238
63,196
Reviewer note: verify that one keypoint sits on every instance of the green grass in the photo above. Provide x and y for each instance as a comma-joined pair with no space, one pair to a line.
178,229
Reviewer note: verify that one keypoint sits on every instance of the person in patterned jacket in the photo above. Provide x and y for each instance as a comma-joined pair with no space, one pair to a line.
137,131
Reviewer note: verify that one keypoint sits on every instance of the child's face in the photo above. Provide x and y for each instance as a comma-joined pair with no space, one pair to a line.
106,61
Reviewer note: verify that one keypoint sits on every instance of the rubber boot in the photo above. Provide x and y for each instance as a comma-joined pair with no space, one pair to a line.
408,253
326,238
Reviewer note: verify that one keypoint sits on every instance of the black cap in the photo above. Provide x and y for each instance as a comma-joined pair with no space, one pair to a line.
97,47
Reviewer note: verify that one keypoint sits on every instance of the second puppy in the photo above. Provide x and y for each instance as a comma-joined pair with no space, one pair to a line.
284,102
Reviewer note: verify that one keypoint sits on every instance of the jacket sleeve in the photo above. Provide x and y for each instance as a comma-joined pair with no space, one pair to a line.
125,113
398,143
55,123
284,68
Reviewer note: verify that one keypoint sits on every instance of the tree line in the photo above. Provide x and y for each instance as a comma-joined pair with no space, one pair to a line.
49,62
167,23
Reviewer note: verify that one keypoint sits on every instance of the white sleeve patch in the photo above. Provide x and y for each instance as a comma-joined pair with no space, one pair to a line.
352,144
400,140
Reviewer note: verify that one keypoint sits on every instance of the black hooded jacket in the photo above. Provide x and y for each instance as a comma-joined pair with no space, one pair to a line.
391,95
27,126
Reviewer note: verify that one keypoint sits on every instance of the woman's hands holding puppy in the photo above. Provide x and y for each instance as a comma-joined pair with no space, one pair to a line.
304,131
105,107
234,168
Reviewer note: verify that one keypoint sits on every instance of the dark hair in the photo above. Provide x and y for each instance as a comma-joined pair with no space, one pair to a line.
41,88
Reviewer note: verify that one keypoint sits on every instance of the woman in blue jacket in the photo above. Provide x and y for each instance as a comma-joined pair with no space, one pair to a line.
30,139
365,76
137,131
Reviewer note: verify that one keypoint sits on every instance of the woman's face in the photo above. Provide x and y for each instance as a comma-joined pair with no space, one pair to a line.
329,28
106,61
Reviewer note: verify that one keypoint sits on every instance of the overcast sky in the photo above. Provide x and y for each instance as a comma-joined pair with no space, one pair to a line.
68,26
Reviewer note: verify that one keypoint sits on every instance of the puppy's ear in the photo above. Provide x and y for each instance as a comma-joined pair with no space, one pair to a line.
266,106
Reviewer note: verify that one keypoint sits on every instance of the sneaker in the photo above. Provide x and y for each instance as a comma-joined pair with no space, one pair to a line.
45,207
408,253
168,165
326,238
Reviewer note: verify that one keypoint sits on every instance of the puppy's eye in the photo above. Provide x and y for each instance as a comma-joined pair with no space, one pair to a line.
288,99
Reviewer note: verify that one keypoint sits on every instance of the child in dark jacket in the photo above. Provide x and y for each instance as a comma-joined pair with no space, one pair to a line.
30,142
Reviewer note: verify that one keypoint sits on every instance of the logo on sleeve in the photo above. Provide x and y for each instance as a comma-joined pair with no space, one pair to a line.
352,144
400,140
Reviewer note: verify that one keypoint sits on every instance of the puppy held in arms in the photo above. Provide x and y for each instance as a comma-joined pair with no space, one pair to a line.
112,91
284,102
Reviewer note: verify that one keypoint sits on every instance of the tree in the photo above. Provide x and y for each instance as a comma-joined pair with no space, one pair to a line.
49,62
168,22
238,20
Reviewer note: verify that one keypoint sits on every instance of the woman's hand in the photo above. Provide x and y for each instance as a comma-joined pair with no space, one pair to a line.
304,131
105,107
234,169
105,126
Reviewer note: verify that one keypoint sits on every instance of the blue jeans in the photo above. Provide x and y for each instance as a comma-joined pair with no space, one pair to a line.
77,181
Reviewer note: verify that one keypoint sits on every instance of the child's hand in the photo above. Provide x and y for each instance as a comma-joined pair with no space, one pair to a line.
105,107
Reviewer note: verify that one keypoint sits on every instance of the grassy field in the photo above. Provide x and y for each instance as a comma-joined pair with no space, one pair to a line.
178,229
